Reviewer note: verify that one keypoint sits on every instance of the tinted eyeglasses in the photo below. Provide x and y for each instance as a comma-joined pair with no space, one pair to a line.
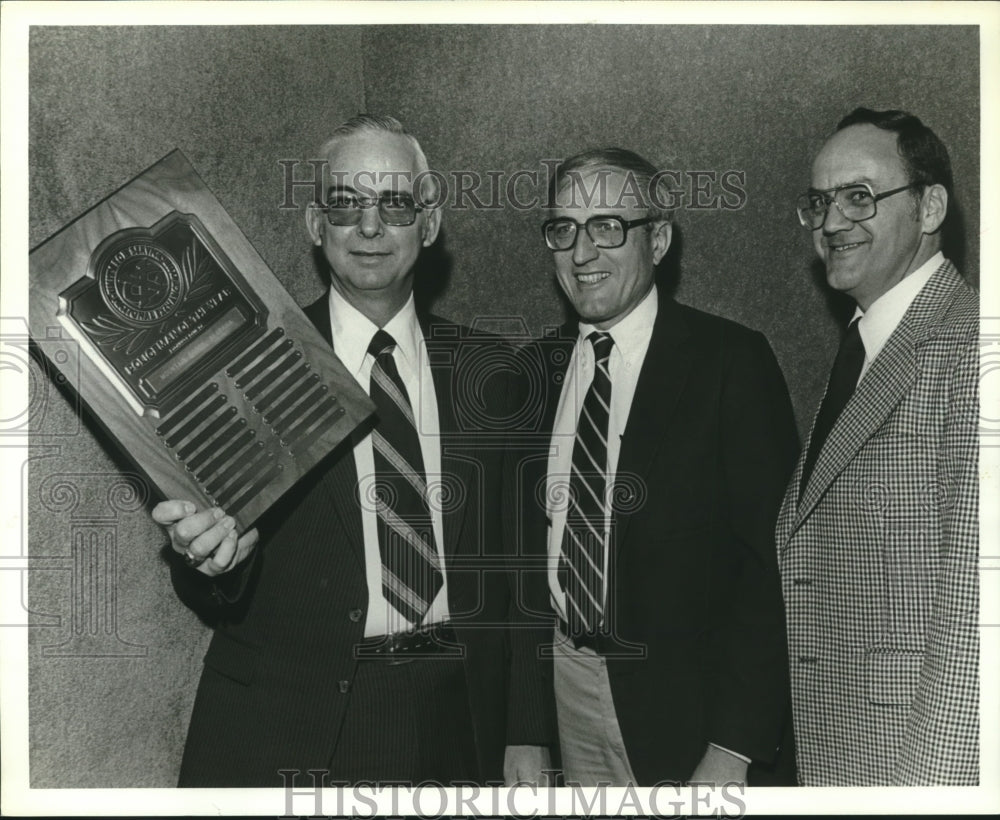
397,209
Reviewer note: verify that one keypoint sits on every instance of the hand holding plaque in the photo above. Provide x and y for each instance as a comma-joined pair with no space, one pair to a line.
207,540
186,348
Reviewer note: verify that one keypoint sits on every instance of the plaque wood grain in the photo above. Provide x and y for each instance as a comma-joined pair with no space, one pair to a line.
184,346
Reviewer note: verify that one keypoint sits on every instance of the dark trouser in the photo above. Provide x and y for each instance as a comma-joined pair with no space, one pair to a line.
407,723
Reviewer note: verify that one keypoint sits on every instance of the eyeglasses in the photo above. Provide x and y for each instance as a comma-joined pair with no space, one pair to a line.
394,209
856,202
604,231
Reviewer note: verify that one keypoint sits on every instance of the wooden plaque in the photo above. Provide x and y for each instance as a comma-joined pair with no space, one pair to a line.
159,312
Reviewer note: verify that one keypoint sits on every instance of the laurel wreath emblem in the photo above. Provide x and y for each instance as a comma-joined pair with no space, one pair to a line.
196,278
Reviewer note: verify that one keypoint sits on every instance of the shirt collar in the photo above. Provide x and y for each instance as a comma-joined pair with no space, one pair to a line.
631,335
352,332
885,313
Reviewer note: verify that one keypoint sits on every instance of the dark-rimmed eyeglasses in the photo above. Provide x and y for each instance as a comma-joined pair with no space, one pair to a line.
396,209
604,231
857,202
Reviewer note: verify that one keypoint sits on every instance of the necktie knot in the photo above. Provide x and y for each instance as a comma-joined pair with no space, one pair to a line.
853,343
602,343
381,343
848,364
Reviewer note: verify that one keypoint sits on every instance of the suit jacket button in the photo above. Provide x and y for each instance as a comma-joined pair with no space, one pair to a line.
344,686
355,615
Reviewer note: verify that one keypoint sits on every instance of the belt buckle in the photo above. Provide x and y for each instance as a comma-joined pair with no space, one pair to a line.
405,647
397,658
396,651
388,650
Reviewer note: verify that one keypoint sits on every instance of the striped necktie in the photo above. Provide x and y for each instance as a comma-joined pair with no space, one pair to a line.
411,567
585,534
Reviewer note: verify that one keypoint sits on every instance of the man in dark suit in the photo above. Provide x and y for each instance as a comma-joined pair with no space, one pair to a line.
361,633
645,518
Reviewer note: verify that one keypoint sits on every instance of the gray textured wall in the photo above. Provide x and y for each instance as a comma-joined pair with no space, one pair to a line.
691,98
105,103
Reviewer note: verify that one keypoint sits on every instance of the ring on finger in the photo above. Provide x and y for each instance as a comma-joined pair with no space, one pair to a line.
191,559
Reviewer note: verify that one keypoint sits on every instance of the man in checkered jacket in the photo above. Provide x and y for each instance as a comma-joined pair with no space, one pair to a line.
878,534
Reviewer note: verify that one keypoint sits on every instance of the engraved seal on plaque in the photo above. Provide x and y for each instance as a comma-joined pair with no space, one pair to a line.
158,311
141,283
160,307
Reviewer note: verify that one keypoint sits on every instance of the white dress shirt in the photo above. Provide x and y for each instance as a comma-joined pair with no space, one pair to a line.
885,313
631,337
352,333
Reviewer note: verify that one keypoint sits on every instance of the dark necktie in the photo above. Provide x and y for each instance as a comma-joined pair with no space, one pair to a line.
843,379
411,568
584,537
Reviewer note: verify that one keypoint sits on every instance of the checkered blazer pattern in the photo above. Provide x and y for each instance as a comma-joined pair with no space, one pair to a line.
879,563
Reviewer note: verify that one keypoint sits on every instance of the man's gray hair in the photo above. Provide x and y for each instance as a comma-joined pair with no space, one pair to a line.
367,123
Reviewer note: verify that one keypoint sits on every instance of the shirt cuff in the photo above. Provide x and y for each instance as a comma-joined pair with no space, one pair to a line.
731,752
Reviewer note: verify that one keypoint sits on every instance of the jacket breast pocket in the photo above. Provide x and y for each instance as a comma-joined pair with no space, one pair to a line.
232,659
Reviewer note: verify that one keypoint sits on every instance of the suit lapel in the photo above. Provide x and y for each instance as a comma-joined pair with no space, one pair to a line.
341,481
889,378
341,478
552,354
787,515
443,343
664,373
556,351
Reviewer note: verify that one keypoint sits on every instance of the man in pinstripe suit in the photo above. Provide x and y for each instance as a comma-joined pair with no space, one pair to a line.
878,535
363,637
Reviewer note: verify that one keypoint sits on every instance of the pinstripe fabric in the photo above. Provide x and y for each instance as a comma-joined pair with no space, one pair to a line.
879,563
398,715
282,687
